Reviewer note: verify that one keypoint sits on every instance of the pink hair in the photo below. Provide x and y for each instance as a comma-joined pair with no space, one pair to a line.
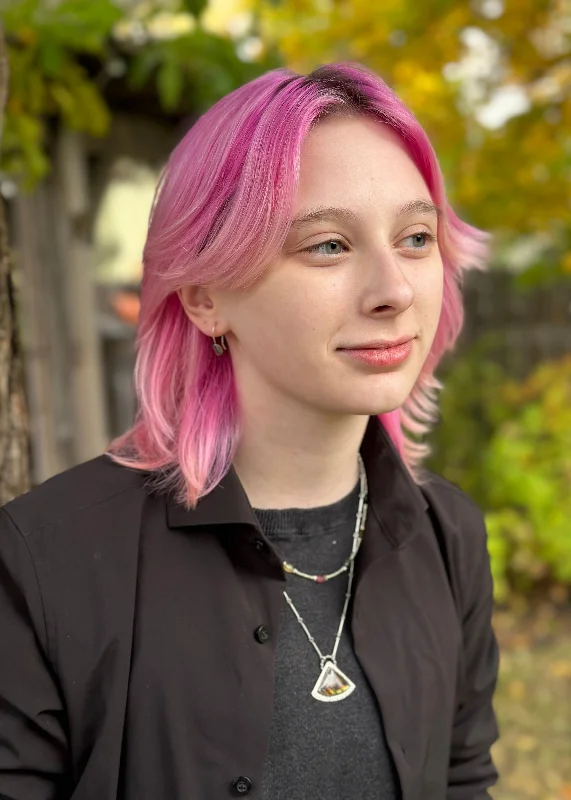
221,215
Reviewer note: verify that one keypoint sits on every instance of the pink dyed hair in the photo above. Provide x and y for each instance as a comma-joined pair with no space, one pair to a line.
221,215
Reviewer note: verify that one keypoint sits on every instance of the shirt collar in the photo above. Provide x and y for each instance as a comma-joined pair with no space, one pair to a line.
396,501
394,498
227,503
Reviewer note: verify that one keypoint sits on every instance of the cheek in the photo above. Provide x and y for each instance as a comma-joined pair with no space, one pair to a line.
429,293
300,307
276,323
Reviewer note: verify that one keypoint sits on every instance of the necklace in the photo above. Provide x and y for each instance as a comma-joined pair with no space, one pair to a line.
332,684
324,577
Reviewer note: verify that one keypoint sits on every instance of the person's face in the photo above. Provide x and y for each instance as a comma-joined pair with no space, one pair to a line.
360,268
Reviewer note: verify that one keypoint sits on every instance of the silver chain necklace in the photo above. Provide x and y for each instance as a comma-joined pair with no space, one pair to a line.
320,577
332,684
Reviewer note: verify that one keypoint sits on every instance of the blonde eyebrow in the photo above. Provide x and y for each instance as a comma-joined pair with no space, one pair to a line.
321,214
419,207
334,214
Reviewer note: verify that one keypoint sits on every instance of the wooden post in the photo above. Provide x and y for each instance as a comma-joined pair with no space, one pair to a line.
39,342
86,385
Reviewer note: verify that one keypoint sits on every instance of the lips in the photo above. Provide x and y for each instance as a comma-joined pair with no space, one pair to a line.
381,354
380,344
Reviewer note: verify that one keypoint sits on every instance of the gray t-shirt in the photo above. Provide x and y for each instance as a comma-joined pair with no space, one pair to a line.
317,750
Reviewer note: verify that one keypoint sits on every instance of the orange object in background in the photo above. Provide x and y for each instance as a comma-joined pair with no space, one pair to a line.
126,305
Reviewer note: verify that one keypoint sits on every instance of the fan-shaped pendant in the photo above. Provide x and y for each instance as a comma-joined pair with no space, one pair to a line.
332,685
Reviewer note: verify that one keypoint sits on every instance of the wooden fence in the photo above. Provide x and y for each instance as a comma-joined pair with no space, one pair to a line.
527,326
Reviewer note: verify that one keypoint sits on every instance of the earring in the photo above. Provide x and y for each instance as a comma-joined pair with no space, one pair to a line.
218,348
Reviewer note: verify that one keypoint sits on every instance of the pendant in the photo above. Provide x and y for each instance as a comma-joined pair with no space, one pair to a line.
332,685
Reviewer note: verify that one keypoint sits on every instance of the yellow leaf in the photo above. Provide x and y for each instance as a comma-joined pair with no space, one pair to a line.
526,743
516,690
561,669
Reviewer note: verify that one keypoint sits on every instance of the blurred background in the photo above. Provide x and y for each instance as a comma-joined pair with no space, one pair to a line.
101,90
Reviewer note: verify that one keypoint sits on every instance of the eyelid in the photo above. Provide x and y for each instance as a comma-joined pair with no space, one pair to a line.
431,237
420,227
326,240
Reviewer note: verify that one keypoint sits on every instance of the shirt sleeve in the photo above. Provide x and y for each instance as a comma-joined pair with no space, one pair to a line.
472,770
33,741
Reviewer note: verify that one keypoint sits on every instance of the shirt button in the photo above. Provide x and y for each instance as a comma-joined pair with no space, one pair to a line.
262,634
260,546
242,786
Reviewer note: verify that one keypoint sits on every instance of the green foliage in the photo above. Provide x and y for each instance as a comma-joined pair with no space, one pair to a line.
194,70
528,469
50,27
510,178
47,46
470,412
46,81
509,445
195,7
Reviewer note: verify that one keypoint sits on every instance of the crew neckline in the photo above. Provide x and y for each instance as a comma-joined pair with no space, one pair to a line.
310,521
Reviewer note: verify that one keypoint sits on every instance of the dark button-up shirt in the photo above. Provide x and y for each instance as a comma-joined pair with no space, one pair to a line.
130,666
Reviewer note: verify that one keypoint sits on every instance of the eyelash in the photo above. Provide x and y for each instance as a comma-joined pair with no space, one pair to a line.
430,237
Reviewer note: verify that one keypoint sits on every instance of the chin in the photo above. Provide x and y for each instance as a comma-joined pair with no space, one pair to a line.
382,397
370,406
373,409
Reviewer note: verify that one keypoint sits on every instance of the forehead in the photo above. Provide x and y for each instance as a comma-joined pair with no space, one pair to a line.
357,162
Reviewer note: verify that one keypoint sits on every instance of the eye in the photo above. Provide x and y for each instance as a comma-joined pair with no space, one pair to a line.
332,247
419,240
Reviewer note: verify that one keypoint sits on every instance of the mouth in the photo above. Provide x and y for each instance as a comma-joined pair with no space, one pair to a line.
381,353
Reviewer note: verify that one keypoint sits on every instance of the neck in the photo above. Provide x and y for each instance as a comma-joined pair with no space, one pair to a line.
297,458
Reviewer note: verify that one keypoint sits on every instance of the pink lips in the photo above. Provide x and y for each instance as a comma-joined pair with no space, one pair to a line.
382,354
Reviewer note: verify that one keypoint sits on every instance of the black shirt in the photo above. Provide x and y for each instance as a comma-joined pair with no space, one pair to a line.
129,664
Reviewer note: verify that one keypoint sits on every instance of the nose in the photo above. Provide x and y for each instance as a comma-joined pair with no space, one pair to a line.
389,290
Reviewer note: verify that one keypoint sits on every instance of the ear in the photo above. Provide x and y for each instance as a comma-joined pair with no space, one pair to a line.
201,308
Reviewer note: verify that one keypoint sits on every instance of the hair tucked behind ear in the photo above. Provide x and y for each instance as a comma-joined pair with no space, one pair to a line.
221,213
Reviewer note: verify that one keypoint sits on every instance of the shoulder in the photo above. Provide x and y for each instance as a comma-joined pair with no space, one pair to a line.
74,493
455,509
463,529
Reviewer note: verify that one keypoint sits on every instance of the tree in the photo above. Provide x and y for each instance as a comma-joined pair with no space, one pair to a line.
68,56
72,63
459,65
14,429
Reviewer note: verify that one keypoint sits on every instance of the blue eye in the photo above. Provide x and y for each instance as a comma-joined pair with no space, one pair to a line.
419,240
336,248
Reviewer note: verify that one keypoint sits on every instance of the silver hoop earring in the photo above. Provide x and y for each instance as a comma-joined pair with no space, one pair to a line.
218,348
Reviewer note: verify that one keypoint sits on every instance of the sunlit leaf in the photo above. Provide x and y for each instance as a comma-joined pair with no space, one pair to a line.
170,83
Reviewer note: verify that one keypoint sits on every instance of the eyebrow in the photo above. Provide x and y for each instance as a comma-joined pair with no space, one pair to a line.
419,207
320,214
346,215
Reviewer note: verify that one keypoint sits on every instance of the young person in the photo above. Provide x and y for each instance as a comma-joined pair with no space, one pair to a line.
259,591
